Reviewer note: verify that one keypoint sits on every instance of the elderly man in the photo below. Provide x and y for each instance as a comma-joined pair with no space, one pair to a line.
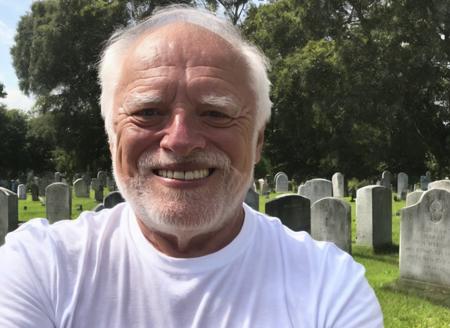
185,100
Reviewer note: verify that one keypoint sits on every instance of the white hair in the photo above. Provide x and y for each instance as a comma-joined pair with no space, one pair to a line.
112,57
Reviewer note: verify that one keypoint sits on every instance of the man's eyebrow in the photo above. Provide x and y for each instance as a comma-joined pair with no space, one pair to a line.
138,99
225,102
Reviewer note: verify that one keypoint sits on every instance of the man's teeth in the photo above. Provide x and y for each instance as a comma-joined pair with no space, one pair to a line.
184,175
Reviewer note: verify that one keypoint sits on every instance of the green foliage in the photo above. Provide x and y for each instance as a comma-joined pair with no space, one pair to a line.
55,55
2,91
358,86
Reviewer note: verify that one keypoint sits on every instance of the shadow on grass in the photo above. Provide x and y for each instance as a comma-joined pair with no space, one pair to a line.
386,254
434,294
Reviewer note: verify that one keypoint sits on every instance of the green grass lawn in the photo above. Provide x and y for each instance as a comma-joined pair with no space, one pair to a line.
401,307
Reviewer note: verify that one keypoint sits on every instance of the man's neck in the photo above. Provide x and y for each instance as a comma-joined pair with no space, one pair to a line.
186,244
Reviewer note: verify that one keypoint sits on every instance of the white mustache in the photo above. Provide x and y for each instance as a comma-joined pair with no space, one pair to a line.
150,160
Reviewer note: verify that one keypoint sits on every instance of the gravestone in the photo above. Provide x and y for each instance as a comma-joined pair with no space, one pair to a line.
425,239
281,182
316,189
252,199
98,189
87,180
22,191
80,188
402,185
337,181
101,176
112,199
263,187
99,207
9,219
294,211
425,180
13,185
58,177
374,216
439,184
331,221
111,183
413,197
386,179
58,202
34,192
44,182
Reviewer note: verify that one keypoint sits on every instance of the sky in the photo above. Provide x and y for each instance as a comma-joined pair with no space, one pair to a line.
10,13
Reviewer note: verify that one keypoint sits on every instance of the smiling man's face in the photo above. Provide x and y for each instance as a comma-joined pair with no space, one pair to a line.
184,116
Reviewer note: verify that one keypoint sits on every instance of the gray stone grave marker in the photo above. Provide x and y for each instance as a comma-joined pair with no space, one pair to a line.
98,189
386,179
34,192
331,221
80,188
413,197
425,239
281,182
439,184
337,181
58,177
9,219
112,199
58,202
316,189
374,216
294,211
252,199
402,185
101,176
22,191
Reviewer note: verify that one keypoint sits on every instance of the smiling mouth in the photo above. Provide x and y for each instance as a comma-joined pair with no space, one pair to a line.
184,175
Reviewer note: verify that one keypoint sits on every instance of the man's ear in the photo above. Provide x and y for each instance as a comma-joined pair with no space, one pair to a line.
259,145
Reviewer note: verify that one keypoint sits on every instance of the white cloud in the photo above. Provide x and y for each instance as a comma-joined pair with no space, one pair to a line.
6,34
17,100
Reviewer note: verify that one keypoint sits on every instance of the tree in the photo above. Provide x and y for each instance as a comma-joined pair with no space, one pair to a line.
55,55
2,91
358,86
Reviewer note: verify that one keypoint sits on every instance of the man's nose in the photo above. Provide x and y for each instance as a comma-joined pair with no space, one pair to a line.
182,135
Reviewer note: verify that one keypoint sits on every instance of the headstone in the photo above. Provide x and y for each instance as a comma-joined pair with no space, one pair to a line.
425,239
337,181
263,187
294,211
87,178
252,199
439,184
9,219
101,176
316,189
425,180
34,192
98,207
80,188
111,184
281,182
14,185
22,191
413,197
374,216
112,199
386,179
58,177
402,185
98,189
58,202
331,221
44,182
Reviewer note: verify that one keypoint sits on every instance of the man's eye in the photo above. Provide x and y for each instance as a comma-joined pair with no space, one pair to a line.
216,118
215,114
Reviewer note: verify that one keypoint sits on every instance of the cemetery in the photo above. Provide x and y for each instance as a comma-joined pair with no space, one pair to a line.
402,238
355,153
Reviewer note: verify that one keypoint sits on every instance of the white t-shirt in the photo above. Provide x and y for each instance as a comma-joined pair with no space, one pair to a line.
100,271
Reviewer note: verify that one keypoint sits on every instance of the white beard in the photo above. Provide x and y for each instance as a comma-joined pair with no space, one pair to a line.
189,212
